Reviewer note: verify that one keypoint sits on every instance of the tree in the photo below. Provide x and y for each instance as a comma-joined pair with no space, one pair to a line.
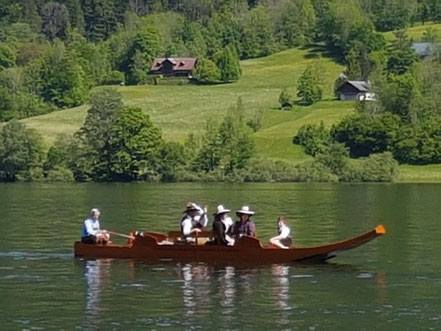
285,99
134,146
228,63
308,86
55,20
401,56
7,57
21,150
207,72
95,135
100,18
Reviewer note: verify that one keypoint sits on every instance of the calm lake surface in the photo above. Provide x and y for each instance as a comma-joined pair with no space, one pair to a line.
393,282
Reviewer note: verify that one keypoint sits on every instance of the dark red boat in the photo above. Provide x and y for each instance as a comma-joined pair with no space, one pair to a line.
157,247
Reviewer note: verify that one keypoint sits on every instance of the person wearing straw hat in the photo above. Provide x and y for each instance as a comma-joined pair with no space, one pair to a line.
244,226
91,233
194,219
222,227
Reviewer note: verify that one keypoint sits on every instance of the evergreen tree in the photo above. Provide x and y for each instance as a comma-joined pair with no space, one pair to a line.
99,18
7,57
207,72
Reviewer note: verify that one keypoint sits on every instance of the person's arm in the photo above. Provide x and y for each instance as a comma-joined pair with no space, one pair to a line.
251,229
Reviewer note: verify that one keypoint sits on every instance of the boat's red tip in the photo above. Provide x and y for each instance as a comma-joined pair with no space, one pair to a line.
380,229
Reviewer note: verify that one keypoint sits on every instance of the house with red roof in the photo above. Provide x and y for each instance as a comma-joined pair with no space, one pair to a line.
174,67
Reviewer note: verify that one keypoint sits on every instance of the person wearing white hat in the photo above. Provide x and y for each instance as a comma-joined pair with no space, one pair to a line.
195,218
91,233
222,227
244,226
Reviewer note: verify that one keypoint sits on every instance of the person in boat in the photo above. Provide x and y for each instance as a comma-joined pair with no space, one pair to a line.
194,219
92,234
282,240
244,226
222,227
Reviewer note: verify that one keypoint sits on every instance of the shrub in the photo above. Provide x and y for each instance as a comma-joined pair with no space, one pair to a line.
313,138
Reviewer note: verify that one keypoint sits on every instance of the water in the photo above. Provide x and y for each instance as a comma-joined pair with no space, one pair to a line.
392,282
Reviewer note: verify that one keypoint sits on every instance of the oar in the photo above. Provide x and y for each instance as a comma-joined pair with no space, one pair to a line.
120,234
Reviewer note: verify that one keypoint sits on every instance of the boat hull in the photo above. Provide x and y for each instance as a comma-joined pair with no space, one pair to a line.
246,249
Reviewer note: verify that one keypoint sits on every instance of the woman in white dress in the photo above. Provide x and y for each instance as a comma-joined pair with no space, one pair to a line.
282,240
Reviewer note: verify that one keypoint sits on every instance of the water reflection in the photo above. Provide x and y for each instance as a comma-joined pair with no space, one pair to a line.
95,273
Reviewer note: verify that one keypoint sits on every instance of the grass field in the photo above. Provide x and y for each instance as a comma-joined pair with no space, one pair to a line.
179,110
417,32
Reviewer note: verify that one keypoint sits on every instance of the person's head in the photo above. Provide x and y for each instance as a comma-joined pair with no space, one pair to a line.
95,213
221,212
191,209
244,213
281,220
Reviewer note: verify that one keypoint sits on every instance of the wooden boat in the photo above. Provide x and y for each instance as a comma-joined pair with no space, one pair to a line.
159,247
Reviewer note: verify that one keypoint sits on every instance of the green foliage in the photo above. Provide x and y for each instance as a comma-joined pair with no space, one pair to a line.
309,86
365,135
55,20
6,105
255,122
134,146
313,138
21,151
7,57
99,18
95,136
401,56
207,72
172,161
228,63
286,100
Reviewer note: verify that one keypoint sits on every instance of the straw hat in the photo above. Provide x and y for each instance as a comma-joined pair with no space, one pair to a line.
221,210
94,211
244,210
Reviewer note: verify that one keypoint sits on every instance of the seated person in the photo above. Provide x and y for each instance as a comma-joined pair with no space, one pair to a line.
283,240
244,226
194,220
222,227
92,234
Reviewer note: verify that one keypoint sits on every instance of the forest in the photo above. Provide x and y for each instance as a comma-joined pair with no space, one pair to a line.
54,55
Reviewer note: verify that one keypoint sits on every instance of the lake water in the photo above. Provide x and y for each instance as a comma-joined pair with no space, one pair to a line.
393,282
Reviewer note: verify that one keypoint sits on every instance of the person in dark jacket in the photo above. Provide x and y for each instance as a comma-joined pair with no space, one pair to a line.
244,226
222,227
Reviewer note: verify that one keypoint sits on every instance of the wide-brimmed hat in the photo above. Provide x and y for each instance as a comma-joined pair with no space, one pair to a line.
244,210
221,210
190,207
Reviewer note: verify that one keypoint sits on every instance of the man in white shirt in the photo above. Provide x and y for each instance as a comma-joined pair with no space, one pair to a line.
91,233
194,220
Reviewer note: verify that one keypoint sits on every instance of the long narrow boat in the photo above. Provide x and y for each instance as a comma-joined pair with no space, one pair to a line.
156,247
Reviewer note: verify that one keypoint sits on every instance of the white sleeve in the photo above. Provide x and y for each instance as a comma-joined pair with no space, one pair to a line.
186,226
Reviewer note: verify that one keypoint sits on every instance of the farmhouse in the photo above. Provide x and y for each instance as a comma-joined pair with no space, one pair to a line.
174,67
355,90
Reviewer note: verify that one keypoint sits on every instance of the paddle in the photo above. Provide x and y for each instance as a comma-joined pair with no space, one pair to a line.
120,234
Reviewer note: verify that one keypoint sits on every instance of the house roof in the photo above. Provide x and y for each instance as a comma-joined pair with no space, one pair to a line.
360,85
422,49
179,63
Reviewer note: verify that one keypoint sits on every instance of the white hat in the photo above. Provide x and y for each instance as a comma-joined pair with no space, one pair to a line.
221,210
94,211
244,210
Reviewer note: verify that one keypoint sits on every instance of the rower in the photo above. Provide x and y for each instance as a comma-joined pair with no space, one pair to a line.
244,226
92,234
282,240
194,219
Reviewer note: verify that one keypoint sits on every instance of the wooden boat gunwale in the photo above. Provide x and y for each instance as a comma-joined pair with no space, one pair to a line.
246,249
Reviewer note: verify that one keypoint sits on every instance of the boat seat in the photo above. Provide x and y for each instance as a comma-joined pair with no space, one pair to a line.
200,238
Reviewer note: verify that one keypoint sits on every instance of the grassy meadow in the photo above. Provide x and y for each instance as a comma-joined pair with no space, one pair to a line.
180,110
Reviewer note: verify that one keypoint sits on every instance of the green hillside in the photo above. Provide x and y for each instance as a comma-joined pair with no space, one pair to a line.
417,32
179,110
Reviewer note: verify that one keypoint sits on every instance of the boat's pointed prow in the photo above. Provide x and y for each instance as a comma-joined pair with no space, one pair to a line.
380,229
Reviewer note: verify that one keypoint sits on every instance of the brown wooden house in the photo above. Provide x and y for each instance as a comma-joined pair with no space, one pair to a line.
174,67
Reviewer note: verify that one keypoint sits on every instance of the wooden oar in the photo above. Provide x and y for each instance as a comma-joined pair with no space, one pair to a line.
120,234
